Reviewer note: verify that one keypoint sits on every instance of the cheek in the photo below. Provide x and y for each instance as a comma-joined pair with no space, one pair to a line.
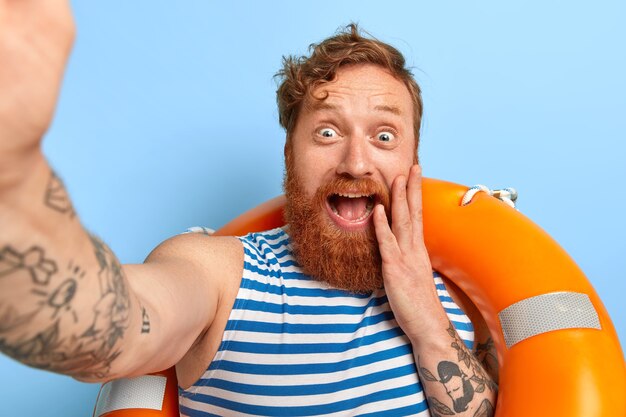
395,168
311,171
302,175
309,181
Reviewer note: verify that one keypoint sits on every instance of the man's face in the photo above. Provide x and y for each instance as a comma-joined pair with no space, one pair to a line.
454,388
343,156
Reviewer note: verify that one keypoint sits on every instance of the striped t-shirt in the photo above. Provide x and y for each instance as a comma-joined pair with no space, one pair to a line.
295,347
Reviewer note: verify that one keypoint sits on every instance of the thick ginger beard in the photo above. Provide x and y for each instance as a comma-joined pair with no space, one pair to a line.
348,260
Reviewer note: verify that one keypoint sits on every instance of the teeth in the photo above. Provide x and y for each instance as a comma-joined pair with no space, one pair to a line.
368,207
352,195
367,213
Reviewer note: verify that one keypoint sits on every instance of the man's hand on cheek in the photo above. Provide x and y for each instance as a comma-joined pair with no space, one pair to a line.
407,272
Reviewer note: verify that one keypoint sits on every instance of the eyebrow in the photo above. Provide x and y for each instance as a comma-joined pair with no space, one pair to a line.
322,105
387,108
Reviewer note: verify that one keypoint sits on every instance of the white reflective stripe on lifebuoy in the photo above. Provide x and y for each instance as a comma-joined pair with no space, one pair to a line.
145,392
547,312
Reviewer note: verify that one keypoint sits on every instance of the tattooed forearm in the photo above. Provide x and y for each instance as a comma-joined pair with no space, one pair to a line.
486,354
485,409
40,324
463,380
439,408
56,196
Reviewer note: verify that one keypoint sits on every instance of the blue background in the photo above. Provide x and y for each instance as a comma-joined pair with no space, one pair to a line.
167,119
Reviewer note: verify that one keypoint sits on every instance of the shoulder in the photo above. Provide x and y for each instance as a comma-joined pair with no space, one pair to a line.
207,251
197,247
211,258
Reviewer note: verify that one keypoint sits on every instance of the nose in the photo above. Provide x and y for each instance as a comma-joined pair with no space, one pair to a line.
356,160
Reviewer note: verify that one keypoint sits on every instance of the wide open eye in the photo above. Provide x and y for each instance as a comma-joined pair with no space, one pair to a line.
385,137
327,132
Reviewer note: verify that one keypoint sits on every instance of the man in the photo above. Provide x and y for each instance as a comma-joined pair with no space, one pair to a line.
293,321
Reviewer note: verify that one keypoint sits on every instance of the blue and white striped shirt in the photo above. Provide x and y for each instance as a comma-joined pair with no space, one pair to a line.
295,347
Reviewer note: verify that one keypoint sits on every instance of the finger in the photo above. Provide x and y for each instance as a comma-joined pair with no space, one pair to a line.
387,243
400,215
414,197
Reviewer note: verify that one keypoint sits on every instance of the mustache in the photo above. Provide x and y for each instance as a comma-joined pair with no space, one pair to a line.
349,185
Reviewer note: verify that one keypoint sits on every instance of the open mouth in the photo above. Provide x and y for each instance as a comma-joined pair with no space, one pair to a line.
351,210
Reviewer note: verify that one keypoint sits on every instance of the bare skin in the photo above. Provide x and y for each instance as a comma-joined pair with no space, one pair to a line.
364,128
68,306
66,303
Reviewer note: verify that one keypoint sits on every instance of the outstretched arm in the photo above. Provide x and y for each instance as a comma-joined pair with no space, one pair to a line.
66,303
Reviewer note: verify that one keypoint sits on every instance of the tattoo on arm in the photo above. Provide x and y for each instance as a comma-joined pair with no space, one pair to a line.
486,354
439,407
32,266
485,409
88,350
461,384
479,376
145,319
56,196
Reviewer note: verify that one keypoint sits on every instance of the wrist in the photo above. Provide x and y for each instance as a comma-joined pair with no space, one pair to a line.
430,333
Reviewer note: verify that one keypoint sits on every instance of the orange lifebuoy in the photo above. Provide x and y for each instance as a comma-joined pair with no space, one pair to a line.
553,361
498,257
154,395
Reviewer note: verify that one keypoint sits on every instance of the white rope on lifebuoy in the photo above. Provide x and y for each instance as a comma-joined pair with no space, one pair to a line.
506,195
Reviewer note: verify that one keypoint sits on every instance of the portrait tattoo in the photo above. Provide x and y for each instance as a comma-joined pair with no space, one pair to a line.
56,196
459,385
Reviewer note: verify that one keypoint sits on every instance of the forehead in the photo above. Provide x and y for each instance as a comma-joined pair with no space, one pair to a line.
368,86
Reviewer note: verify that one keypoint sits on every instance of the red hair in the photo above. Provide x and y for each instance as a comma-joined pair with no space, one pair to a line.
301,75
